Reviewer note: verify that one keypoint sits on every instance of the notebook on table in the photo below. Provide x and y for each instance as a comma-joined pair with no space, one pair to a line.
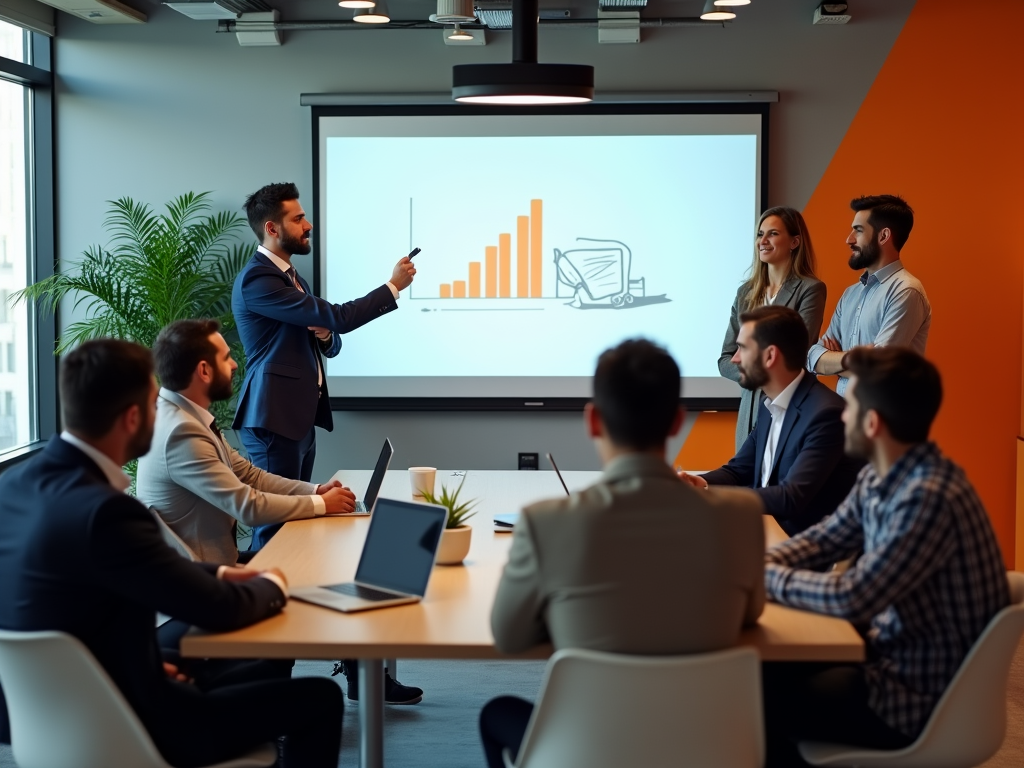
394,568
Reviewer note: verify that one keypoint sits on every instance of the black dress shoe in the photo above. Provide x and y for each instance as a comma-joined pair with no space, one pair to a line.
394,691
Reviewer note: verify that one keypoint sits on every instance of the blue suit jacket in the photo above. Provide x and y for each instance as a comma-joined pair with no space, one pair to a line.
279,391
812,474
80,557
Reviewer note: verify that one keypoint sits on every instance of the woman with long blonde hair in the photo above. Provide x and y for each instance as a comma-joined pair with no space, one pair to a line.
783,274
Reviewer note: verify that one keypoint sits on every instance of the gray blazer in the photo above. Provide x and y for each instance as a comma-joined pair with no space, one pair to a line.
804,294
201,486
639,563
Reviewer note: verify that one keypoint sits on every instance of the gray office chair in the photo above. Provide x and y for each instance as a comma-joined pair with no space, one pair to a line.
604,710
67,713
969,722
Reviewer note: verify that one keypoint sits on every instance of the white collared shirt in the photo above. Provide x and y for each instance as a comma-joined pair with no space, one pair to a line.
319,505
114,474
777,408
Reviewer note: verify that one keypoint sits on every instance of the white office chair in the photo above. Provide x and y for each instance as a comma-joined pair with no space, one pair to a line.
603,710
969,722
67,713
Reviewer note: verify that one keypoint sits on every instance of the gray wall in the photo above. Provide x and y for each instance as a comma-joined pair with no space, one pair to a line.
151,111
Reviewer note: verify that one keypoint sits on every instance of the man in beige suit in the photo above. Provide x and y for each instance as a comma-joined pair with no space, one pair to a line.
639,563
199,484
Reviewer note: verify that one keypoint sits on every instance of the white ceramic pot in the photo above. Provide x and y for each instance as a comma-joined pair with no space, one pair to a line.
454,545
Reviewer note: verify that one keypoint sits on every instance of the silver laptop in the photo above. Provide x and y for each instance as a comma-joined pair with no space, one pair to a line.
398,556
365,506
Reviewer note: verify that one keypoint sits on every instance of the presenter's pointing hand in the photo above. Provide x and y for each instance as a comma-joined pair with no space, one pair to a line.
402,276
339,501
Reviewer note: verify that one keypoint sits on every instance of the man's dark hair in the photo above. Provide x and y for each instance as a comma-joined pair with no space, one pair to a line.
898,384
782,327
888,211
636,391
267,204
180,347
100,380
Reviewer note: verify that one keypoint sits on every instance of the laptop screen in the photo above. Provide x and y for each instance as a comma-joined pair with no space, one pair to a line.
400,546
378,475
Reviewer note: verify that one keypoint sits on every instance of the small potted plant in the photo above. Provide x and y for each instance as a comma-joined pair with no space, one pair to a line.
457,535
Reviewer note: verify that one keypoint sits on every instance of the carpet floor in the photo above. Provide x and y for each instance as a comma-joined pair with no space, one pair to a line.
441,731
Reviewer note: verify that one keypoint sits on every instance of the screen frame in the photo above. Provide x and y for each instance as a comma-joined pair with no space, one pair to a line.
760,108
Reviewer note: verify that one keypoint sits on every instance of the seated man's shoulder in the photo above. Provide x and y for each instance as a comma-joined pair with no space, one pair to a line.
734,500
824,397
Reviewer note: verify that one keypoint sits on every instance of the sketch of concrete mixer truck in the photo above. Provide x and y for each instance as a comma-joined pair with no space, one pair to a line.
598,275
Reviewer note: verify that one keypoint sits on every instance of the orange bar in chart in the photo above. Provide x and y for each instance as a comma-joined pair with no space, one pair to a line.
446,291
474,279
536,246
459,289
505,266
523,256
491,271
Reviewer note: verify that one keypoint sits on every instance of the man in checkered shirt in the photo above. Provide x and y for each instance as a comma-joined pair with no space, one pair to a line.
928,576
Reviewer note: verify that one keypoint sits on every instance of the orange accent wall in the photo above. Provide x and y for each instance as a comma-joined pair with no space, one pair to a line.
711,442
943,125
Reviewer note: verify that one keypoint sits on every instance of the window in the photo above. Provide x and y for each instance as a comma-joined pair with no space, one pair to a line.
27,371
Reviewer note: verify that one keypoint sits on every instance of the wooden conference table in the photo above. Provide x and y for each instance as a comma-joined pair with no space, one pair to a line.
453,621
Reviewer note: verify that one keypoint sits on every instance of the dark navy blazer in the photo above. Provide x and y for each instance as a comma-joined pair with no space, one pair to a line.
79,556
811,474
279,392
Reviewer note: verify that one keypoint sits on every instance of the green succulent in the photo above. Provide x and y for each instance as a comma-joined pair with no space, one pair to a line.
458,513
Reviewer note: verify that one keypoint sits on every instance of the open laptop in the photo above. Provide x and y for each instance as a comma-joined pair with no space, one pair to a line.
365,506
505,522
398,556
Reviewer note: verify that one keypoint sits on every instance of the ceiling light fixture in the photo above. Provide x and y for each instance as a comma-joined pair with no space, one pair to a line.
713,12
459,34
377,14
524,81
357,3
732,2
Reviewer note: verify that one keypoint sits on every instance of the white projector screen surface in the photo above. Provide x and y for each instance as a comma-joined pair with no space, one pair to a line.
545,240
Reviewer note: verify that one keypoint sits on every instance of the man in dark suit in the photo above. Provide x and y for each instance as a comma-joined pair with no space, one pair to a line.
80,556
794,458
286,332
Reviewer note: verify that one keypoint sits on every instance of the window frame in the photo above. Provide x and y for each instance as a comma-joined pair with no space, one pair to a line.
37,78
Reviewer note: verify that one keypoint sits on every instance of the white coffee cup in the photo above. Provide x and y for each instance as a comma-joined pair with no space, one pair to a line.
422,479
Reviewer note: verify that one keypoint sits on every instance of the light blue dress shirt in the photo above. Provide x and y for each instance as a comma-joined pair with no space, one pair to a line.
887,308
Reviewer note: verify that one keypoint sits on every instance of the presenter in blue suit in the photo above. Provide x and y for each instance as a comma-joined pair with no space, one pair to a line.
794,459
286,332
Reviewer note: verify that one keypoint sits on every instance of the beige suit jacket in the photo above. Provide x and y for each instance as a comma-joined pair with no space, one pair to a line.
639,563
200,485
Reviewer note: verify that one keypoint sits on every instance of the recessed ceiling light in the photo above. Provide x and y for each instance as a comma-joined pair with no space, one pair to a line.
357,3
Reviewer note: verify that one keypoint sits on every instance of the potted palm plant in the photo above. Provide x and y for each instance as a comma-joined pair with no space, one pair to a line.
457,535
157,268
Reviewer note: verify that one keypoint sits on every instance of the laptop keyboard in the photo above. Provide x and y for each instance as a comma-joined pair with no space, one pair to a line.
366,593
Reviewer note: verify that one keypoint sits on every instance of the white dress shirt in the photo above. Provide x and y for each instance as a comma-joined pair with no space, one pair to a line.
777,408
319,505
120,481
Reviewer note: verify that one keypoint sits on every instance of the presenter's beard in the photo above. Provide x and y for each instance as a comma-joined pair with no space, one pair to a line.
297,246
220,388
754,377
862,258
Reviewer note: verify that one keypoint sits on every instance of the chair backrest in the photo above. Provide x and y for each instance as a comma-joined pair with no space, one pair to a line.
173,540
602,709
969,722
65,711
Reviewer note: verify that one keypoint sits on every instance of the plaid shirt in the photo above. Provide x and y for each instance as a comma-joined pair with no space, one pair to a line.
930,578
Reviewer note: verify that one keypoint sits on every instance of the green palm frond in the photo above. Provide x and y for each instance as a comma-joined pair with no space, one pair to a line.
157,268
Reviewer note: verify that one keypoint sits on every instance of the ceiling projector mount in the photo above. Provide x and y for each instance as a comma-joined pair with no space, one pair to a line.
524,82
